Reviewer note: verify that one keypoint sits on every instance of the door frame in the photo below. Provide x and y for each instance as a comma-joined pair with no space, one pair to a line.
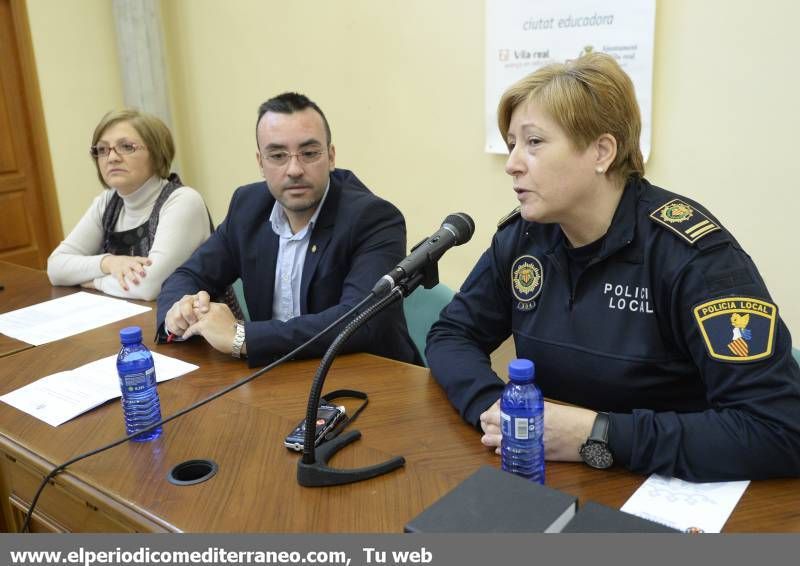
43,166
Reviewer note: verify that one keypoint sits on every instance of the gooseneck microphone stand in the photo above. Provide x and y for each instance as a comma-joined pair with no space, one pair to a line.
312,468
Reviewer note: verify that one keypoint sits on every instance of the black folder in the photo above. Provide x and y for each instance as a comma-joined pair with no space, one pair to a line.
595,518
493,501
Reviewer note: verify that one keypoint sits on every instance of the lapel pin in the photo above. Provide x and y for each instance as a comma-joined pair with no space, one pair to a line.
314,249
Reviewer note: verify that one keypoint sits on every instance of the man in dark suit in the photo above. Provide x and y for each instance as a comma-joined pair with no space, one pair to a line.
308,245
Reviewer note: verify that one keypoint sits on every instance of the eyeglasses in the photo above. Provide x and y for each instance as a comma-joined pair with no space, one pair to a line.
279,158
122,148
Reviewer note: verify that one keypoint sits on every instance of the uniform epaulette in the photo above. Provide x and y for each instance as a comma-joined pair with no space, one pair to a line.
509,218
689,223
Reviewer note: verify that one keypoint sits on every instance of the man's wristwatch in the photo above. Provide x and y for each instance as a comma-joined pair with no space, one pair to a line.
238,339
595,450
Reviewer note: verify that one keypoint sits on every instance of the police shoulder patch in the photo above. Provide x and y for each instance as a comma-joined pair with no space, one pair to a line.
737,329
684,220
509,218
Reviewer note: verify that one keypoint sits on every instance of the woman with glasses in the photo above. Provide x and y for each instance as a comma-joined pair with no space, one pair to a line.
144,225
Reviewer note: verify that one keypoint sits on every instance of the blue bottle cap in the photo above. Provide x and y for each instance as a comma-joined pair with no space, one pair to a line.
130,335
521,370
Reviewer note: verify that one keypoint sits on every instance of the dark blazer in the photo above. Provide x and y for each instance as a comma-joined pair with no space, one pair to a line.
358,238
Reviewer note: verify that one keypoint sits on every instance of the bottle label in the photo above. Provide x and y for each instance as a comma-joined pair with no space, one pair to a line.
518,428
138,382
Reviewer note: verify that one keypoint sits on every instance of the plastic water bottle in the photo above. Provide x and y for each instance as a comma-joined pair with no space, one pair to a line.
522,420
137,379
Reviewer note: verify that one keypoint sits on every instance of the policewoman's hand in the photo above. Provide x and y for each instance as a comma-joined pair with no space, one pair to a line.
490,423
566,428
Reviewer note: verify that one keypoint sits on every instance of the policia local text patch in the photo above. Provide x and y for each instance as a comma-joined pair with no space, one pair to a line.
737,329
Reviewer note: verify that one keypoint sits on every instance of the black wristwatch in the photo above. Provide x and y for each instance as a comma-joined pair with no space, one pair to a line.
595,450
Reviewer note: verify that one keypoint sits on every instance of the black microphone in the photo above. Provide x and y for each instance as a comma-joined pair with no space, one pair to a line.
456,229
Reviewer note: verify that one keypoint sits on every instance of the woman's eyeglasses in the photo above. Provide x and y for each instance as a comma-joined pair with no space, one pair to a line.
122,148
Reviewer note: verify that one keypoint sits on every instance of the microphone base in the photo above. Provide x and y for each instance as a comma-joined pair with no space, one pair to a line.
319,474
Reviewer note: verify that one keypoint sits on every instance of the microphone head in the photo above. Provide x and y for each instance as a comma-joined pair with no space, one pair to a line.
462,225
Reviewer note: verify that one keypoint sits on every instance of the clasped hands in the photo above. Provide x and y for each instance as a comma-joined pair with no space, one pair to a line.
196,315
566,428
124,268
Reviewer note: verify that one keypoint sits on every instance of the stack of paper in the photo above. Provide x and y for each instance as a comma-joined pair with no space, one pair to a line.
57,398
53,320
686,506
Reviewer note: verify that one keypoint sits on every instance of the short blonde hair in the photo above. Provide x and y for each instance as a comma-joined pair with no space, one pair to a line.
154,133
587,97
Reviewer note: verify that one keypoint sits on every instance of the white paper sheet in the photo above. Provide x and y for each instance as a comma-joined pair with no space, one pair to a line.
62,396
56,319
524,35
684,505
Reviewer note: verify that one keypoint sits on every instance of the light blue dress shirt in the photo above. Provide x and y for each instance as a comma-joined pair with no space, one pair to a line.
292,249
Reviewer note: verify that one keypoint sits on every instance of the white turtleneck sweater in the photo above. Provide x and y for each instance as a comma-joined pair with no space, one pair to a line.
182,227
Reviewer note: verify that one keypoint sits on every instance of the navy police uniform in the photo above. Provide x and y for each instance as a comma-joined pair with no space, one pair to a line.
668,327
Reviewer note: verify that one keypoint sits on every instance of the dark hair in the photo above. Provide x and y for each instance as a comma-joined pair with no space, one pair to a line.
289,103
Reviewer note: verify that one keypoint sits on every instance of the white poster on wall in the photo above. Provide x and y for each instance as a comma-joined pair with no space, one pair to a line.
523,35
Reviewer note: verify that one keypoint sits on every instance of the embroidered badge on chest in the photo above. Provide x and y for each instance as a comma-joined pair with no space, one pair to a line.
737,329
527,277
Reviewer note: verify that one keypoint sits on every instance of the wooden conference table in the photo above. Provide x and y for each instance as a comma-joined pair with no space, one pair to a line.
255,489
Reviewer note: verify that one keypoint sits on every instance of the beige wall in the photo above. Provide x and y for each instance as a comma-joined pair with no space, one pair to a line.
726,121
76,58
402,85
